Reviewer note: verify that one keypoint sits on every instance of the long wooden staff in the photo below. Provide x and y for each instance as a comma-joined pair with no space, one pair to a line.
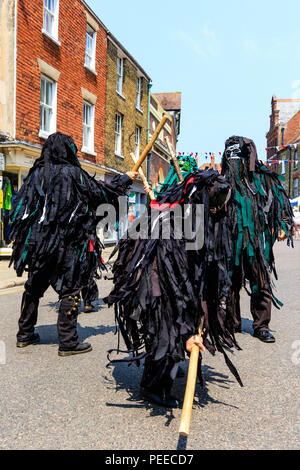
186,414
174,158
143,178
150,144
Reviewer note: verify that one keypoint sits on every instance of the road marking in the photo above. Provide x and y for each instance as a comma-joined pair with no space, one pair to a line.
12,290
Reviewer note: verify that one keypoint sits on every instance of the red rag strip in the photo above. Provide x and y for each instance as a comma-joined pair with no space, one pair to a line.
155,205
91,245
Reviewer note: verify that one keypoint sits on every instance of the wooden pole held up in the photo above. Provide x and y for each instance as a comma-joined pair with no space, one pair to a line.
150,144
143,178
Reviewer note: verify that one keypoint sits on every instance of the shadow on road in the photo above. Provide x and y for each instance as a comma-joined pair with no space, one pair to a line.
48,333
121,377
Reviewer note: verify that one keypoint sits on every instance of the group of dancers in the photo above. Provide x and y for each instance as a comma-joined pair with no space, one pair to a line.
164,286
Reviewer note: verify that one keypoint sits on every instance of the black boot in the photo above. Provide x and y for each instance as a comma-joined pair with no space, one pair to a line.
79,349
35,338
89,308
264,335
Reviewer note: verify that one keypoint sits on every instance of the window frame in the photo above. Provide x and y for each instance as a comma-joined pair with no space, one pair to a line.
296,160
88,147
53,33
137,141
120,75
92,57
53,107
139,93
118,134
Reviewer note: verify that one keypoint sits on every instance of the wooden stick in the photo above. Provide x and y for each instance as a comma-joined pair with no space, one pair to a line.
150,144
174,158
186,414
143,178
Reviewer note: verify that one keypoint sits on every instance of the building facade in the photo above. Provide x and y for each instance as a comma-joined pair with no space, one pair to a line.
159,164
55,60
282,111
284,140
126,120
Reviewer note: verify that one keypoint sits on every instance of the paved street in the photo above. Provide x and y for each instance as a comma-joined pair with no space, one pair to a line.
48,402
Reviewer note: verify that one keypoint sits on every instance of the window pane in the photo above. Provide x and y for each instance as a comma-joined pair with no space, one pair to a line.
47,119
43,90
48,99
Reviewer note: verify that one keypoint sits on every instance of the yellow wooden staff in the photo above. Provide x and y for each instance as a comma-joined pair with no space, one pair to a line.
186,414
144,179
148,147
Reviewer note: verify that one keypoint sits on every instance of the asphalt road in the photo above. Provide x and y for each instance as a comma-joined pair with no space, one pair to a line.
48,402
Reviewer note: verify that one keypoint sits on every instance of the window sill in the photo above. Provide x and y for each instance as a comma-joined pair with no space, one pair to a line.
121,96
119,156
139,110
44,134
88,152
48,35
93,71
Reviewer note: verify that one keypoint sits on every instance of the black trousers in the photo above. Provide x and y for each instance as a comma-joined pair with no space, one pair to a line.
260,304
35,287
90,293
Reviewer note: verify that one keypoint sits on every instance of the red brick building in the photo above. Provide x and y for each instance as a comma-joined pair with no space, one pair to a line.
287,154
53,74
282,111
56,65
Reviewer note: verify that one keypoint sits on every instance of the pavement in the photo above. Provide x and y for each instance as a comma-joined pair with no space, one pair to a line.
78,403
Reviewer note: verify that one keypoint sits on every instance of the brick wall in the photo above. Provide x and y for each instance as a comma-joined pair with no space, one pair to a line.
126,106
68,59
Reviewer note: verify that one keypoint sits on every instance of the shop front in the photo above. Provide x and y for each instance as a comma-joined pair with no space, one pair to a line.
15,162
137,201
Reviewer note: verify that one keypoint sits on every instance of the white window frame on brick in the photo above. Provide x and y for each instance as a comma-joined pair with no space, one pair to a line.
90,48
88,131
296,160
137,141
51,19
120,75
48,107
139,93
118,134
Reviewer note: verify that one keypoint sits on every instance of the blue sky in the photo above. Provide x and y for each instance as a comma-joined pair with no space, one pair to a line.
226,57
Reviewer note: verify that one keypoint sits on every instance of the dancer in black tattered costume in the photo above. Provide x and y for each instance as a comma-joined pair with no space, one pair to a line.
162,289
260,214
54,233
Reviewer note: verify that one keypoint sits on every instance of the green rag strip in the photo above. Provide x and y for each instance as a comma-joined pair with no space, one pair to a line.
25,246
17,210
258,184
84,247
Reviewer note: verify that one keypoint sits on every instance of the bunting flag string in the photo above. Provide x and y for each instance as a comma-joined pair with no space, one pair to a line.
278,162
206,155
278,148
199,154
